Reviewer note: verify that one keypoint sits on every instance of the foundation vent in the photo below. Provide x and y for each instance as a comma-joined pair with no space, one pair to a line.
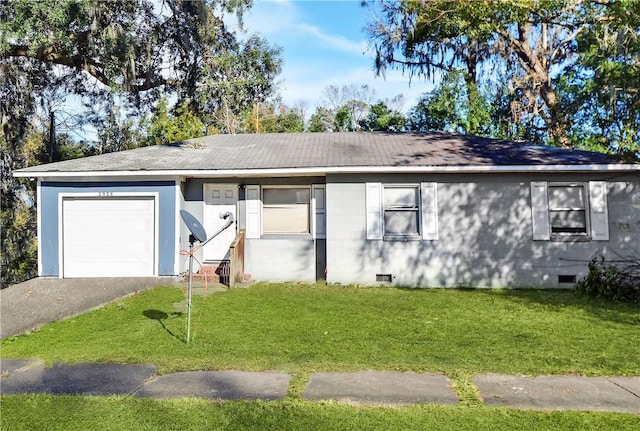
566,279
385,278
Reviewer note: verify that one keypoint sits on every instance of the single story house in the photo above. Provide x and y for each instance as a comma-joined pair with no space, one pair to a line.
432,209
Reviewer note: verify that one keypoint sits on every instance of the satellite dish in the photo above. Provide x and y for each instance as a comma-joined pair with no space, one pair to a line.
194,226
198,234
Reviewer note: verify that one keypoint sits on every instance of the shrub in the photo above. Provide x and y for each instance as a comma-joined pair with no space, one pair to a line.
618,280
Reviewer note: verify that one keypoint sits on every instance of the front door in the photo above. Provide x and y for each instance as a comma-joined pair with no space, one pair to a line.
219,199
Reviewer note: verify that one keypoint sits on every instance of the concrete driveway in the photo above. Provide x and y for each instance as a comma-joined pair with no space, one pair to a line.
31,304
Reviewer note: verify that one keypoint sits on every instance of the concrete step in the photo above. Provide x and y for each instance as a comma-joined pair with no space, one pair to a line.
212,273
202,277
209,269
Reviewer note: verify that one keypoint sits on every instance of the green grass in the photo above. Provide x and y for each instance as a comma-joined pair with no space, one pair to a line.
306,328
51,413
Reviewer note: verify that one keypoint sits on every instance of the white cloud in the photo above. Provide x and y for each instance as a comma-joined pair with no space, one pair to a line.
333,41
317,53
270,18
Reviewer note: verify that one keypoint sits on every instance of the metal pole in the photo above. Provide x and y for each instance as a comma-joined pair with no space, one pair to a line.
189,290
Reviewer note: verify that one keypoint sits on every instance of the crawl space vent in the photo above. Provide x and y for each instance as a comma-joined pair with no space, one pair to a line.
385,278
566,279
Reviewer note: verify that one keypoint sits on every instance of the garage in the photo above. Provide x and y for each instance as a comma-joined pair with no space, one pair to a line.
108,236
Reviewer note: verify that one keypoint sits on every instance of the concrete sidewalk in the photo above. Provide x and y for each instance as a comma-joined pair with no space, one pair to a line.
606,394
614,394
31,304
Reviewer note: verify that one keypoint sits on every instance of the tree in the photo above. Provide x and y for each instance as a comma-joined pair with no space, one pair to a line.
123,45
236,80
164,127
603,88
349,104
272,118
533,41
117,134
456,105
288,121
322,120
20,145
137,50
507,119
343,120
300,107
19,246
383,118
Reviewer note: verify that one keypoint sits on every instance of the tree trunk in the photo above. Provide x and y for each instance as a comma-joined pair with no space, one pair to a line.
52,136
557,123
537,69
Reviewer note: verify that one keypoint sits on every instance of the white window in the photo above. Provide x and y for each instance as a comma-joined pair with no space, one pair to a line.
285,210
402,211
274,210
569,210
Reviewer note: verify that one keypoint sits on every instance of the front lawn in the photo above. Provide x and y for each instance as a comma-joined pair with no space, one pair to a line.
305,328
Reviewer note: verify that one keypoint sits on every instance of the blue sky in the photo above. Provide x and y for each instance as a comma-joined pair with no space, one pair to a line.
324,43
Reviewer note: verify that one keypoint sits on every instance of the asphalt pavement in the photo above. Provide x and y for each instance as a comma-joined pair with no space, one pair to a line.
29,305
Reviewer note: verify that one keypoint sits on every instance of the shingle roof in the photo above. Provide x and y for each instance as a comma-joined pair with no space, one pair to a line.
326,150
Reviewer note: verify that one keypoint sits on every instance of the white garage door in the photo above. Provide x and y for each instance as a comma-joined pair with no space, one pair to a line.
108,237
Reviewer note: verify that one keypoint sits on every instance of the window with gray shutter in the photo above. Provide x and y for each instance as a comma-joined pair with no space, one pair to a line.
569,210
401,205
402,211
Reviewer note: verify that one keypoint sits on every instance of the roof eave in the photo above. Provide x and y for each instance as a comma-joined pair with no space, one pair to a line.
322,171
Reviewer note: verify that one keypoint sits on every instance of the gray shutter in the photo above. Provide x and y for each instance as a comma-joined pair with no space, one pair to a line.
254,211
429,208
540,211
374,210
319,212
598,210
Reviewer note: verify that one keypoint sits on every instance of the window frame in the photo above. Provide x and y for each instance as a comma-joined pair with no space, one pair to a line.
417,209
266,206
428,217
586,235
